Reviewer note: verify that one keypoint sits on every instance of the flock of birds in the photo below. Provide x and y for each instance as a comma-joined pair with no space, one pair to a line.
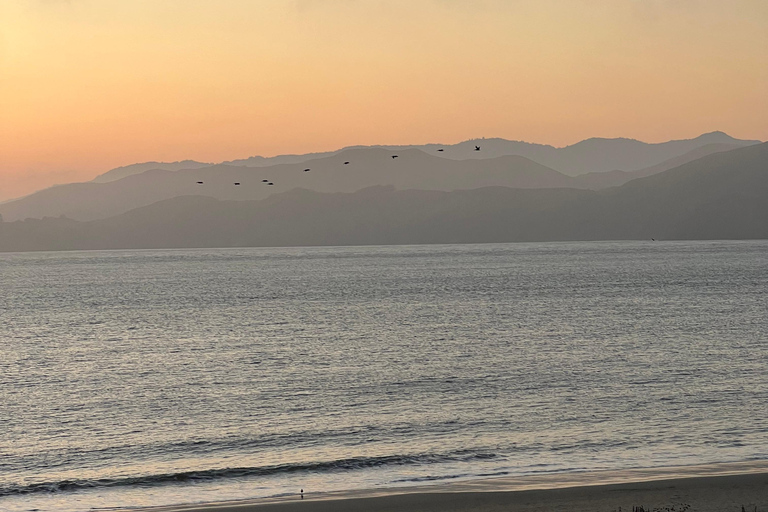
237,183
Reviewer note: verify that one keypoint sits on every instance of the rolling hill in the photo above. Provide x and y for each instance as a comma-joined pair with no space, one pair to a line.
369,166
591,155
719,196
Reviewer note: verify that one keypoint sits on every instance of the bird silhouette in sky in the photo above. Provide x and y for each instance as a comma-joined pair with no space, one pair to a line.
394,156
346,163
270,183
441,149
237,183
265,181
306,170
199,182
477,148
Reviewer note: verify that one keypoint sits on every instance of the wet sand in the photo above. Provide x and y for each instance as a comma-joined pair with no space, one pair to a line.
587,492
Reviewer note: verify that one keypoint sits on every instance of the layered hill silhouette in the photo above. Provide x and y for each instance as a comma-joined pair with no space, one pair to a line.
129,170
720,196
601,180
590,155
126,188
367,167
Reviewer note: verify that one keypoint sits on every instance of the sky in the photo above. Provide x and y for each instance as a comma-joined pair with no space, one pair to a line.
88,85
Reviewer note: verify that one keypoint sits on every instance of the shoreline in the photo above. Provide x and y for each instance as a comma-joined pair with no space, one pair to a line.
704,488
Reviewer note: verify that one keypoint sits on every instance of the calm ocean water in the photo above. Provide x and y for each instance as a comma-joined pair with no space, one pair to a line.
140,378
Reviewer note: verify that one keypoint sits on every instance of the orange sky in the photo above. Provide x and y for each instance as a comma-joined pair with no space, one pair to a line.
87,85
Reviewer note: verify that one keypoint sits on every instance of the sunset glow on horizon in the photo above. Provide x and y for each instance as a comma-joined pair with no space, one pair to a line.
88,85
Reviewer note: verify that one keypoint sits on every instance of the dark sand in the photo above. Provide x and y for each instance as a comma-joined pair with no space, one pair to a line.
724,493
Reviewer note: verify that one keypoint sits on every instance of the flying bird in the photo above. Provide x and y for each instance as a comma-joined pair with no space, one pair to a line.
265,181
346,163
477,148
441,150
306,170
270,183
199,182
237,183
394,156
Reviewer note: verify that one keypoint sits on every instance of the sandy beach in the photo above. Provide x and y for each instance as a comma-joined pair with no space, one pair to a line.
671,491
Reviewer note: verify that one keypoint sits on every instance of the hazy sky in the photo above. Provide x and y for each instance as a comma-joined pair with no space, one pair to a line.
87,85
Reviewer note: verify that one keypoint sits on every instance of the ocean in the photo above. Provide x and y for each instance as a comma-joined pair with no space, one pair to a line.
143,378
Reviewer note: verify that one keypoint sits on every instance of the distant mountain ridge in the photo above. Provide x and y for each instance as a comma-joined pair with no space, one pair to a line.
129,170
412,167
595,154
719,196
367,167
590,155
601,180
